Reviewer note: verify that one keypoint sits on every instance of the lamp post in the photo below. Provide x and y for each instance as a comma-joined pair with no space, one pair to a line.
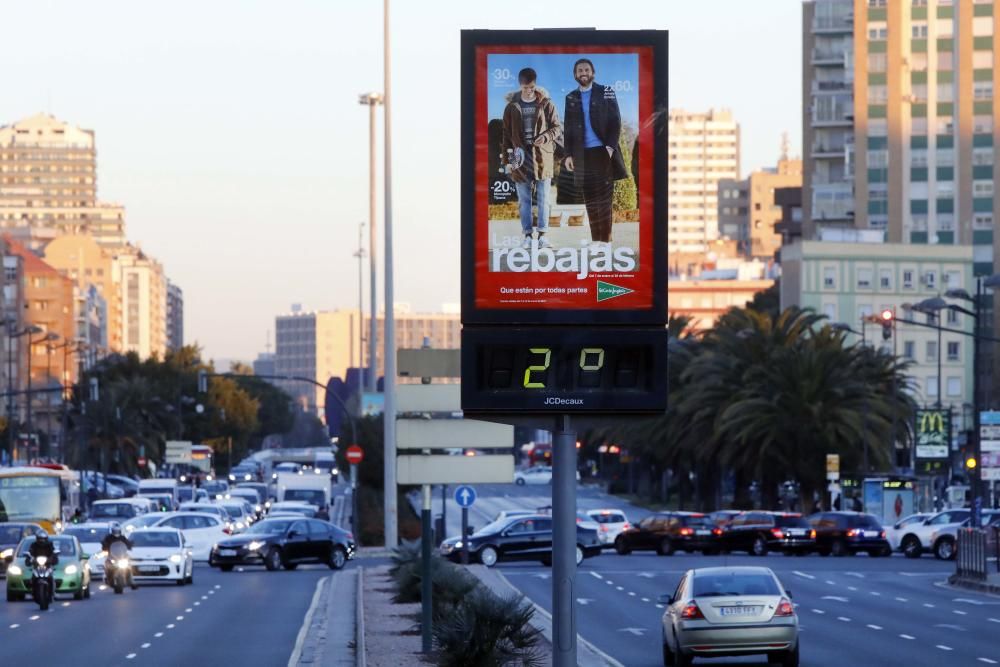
360,254
932,308
27,331
28,398
371,100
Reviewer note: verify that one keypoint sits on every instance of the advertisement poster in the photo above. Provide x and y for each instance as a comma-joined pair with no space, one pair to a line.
564,208
933,434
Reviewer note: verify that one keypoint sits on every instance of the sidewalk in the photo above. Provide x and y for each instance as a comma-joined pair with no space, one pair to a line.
990,585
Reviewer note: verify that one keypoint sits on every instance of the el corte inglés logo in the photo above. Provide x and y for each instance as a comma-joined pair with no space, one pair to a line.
607,291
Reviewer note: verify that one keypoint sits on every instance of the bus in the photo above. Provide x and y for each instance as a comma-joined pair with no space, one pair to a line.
201,458
38,495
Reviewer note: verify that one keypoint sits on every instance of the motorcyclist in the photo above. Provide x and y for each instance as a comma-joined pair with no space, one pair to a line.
116,536
42,546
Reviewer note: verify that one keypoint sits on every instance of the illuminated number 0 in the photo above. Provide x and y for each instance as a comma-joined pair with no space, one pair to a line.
599,351
528,384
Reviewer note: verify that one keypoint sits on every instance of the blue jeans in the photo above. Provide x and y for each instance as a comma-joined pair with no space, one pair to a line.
543,188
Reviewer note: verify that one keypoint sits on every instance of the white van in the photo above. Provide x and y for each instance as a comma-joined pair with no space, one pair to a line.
148,487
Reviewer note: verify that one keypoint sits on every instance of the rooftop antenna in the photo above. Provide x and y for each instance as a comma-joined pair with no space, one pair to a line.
267,345
784,145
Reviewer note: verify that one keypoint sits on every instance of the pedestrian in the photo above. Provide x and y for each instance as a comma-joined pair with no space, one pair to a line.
531,130
593,127
856,504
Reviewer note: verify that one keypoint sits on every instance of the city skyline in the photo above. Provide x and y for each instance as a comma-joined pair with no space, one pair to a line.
227,147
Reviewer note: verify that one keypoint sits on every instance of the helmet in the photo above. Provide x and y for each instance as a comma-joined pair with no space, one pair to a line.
116,529
42,536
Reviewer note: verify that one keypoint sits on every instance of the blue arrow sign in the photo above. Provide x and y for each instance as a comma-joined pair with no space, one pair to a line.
465,496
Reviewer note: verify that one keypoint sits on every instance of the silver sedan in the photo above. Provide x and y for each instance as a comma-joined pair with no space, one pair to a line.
730,611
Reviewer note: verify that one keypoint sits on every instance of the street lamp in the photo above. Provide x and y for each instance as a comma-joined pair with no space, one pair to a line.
371,100
28,398
840,326
27,331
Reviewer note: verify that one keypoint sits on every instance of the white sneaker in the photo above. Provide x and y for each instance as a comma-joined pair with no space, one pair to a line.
526,243
543,242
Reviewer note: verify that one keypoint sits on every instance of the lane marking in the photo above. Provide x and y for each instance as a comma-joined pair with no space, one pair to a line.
659,606
818,611
943,647
960,612
645,599
595,575
34,618
146,645
65,604
130,656
631,593
217,586
993,620
802,574
844,619
171,626
987,661
855,574
901,600
609,582
928,605
832,583
158,635
197,603
188,610
968,601
15,626
204,597
300,639
180,618
876,593
874,627
852,588
907,637
835,597
619,588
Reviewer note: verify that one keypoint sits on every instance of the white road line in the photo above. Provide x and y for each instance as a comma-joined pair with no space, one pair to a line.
204,597
907,637
130,656
844,619
180,618
901,600
171,626
987,661
596,575
852,588
197,603
659,606
874,627
832,583
818,611
960,612
146,645
300,639
34,618
65,604
837,598
943,647
158,635
15,626
188,610
928,605
875,593
645,599
631,594
620,588
855,574
217,586
802,574
609,582
993,620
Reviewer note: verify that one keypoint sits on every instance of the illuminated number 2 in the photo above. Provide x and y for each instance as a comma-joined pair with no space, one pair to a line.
528,384
584,366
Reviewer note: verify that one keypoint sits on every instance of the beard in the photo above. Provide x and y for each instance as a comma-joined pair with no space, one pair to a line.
584,80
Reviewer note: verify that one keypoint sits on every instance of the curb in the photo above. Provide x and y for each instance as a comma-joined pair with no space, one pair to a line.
589,656
360,657
974,584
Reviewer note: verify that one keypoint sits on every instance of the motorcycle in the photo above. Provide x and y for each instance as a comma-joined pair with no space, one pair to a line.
42,582
117,567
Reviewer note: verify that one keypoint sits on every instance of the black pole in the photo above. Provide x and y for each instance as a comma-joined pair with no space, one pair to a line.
427,589
977,482
465,536
564,544
10,396
444,512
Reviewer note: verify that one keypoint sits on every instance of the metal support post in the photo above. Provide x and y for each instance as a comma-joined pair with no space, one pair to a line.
465,536
389,353
354,503
444,511
977,474
564,545
427,588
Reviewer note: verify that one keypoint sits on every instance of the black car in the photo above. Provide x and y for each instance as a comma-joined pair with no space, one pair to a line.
10,536
519,538
843,533
285,542
667,532
760,532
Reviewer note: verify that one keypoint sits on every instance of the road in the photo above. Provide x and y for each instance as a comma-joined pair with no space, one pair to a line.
237,618
853,611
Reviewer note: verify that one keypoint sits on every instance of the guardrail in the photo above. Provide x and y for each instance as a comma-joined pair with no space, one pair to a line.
970,561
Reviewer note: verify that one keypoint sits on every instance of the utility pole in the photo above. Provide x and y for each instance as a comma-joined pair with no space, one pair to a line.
389,412
371,100
360,254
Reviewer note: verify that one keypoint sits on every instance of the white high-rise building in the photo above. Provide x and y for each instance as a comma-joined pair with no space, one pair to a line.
703,149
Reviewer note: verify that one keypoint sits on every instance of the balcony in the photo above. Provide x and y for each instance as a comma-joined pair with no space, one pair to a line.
841,118
832,86
825,151
824,58
833,25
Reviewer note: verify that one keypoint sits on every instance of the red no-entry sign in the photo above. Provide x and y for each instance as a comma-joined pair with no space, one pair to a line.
355,454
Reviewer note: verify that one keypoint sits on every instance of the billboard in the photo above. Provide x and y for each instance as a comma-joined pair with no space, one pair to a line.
564,177
932,434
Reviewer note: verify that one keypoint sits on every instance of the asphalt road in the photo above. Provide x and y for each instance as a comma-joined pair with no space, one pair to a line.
853,611
237,618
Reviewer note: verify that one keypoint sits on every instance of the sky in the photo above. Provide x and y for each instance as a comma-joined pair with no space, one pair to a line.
231,129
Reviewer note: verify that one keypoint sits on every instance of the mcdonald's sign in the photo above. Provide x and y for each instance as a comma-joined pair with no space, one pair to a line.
932,434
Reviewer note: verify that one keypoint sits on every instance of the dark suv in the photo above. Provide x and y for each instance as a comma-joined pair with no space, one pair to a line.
759,532
668,532
843,533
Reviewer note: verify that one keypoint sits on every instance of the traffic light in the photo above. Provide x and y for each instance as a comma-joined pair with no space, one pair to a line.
888,318
970,463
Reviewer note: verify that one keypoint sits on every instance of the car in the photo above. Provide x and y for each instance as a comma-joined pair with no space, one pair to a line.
215,488
126,484
90,535
285,542
164,501
729,612
944,540
519,538
506,514
760,532
71,572
143,521
161,554
894,533
11,535
240,513
251,497
847,533
533,475
916,539
200,530
721,518
667,532
104,486
186,493
284,467
210,508
263,494
242,474
117,510
296,506
610,524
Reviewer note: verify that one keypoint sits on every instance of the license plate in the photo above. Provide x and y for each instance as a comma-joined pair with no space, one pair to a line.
702,532
796,533
149,568
227,552
740,611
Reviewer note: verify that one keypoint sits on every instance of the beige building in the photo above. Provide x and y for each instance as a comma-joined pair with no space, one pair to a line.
704,301
85,262
748,211
324,344
703,148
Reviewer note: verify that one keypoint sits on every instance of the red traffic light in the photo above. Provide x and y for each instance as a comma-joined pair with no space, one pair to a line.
887,315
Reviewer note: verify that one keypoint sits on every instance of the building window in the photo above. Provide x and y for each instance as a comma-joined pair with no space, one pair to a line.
931,351
953,348
982,188
932,389
954,386
953,278
829,277
930,280
830,310
864,278
919,31
982,90
952,318
982,221
908,279
885,279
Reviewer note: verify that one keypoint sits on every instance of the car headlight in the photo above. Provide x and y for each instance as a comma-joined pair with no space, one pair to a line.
15,570
258,508
267,504
247,477
70,569
175,558
59,526
239,525
458,545
103,554
6,553
122,563
255,545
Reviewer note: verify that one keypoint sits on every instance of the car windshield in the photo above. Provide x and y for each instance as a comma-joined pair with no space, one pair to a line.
155,538
493,527
304,510
311,496
271,527
10,534
86,535
233,510
734,583
111,511
143,521
185,493
29,497
864,521
608,517
64,545
698,522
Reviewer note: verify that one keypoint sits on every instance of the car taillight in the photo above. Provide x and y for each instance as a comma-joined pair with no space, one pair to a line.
686,531
812,534
691,612
777,533
227,530
626,526
882,534
604,528
853,532
785,608
717,531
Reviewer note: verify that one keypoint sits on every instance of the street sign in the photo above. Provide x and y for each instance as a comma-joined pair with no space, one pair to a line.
354,454
465,496
833,467
424,362
429,398
444,469
177,451
989,445
452,434
932,434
